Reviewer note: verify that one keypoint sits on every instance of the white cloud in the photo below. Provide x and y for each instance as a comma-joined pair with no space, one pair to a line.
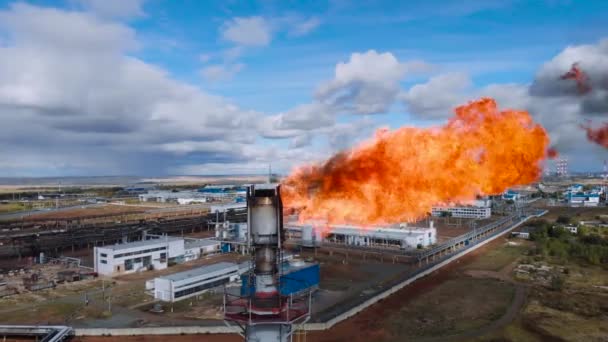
436,98
204,57
304,27
300,141
367,84
216,73
113,8
555,103
247,31
233,53
67,83
297,121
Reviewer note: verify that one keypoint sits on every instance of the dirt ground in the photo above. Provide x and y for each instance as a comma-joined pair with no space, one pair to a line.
164,338
368,325
88,212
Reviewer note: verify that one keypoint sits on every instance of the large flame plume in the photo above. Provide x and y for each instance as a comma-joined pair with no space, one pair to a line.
581,78
597,135
399,175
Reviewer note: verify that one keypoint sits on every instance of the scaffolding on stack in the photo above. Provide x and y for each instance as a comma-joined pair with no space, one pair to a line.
265,314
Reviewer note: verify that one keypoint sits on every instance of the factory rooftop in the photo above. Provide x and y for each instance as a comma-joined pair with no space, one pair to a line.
200,271
192,243
377,232
140,243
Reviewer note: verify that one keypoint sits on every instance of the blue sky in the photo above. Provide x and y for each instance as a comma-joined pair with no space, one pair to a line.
259,61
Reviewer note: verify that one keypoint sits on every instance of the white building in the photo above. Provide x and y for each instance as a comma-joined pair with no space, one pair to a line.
196,248
463,212
137,256
190,283
396,236
221,208
586,199
181,197
191,200
572,229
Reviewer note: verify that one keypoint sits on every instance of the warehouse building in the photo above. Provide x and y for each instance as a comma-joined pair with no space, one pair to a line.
196,248
222,208
137,256
470,212
156,253
182,285
393,236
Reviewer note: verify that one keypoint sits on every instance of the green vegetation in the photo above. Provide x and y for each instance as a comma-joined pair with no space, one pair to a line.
496,259
588,245
14,207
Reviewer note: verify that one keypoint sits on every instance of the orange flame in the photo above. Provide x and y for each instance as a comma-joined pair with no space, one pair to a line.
597,135
577,74
552,153
399,175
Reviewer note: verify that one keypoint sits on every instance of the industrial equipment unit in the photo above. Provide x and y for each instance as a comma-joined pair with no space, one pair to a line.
265,313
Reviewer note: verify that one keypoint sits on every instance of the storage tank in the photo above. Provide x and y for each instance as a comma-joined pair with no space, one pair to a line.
241,231
311,237
307,236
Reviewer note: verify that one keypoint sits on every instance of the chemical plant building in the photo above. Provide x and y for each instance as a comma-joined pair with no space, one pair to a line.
576,196
395,236
190,283
156,253
469,212
511,195
296,276
204,195
479,209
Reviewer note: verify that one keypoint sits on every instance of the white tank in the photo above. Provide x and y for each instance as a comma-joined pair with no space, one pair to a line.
225,234
311,237
263,217
242,231
307,236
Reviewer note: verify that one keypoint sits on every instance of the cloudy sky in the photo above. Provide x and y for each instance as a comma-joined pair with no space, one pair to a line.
156,87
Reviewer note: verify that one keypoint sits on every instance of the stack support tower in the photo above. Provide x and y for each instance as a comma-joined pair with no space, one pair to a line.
561,166
265,314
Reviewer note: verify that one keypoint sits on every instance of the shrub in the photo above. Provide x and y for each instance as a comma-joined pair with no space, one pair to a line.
557,283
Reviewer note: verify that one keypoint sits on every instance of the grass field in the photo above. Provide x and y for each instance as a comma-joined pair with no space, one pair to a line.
498,258
577,214
12,207
50,313
458,305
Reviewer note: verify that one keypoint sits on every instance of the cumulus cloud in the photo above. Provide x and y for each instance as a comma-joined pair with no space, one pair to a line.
297,121
593,60
304,27
69,86
367,84
218,72
247,31
302,140
436,98
555,103
113,8
345,135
